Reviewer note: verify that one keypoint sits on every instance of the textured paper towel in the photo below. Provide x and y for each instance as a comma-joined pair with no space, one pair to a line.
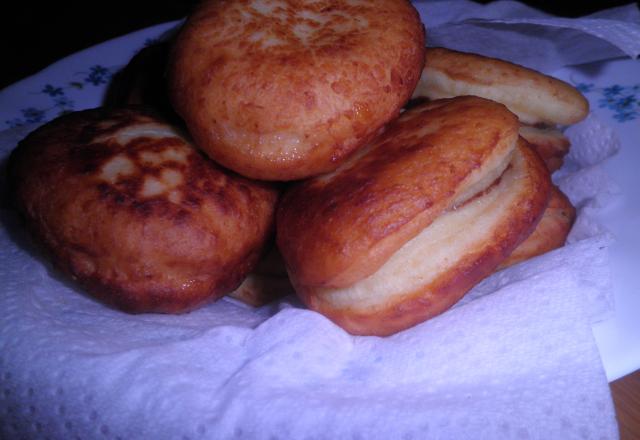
510,30
516,358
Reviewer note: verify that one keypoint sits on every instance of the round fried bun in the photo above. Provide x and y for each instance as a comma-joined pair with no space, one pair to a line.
431,272
336,229
405,227
128,207
282,90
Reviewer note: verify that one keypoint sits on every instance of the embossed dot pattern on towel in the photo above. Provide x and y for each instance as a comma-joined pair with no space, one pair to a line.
517,360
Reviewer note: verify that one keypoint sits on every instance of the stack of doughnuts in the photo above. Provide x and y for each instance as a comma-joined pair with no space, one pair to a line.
294,163
542,103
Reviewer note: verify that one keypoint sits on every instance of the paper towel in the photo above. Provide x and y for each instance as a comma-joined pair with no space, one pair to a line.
516,358
513,31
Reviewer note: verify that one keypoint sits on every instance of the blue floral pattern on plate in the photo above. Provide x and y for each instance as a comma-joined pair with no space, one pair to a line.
96,76
85,86
624,101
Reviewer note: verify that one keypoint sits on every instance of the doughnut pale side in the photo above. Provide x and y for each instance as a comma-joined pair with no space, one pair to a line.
432,271
536,98
286,89
336,229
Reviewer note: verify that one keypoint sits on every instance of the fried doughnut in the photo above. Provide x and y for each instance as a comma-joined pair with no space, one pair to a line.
536,98
401,232
282,90
266,283
550,233
125,205
340,227
549,143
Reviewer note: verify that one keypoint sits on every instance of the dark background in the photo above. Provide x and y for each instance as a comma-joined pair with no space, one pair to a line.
35,34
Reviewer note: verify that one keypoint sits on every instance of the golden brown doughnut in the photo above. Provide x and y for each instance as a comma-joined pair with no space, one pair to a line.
282,90
401,231
550,233
536,98
549,143
128,207
338,228
435,269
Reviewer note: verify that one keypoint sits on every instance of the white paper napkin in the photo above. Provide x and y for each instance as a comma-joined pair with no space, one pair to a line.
516,358
512,31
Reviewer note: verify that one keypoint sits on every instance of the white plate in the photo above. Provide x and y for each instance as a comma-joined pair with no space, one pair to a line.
613,89
74,83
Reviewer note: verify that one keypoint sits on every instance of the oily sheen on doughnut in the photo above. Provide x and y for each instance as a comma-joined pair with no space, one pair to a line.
286,89
124,204
401,232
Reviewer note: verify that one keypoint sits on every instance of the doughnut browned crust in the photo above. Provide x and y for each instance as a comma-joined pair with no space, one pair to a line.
550,233
338,228
130,209
435,269
285,89
549,143
536,98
